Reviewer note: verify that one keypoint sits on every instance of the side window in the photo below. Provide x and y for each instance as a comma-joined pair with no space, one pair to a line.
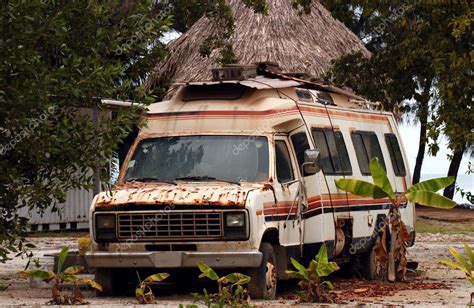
366,146
333,151
395,155
300,144
283,162
343,155
322,146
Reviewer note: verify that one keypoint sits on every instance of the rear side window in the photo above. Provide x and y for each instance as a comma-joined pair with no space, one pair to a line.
300,144
283,162
333,151
395,155
366,146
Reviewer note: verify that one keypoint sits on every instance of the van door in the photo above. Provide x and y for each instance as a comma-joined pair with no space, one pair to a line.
289,195
316,231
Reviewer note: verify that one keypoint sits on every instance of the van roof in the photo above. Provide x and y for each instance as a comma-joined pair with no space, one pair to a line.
241,105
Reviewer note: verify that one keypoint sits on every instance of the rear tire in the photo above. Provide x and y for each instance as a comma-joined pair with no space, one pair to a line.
263,283
369,266
371,269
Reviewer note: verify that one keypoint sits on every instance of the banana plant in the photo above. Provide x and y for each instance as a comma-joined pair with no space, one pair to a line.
460,263
143,292
424,193
311,278
231,291
62,276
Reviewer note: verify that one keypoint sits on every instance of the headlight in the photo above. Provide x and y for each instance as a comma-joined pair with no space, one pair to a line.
235,220
105,227
236,227
105,221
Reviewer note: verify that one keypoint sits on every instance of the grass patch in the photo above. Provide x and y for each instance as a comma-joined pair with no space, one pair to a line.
59,234
434,226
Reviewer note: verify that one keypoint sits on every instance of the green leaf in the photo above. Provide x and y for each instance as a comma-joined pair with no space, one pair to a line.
313,266
73,270
453,264
62,257
301,269
94,284
237,278
324,267
207,271
431,199
322,256
460,258
40,274
156,277
361,188
470,255
432,185
139,292
293,274
380,177
67,277
328,283
239,290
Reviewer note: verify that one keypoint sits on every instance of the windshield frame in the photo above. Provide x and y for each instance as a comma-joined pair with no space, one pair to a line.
140,138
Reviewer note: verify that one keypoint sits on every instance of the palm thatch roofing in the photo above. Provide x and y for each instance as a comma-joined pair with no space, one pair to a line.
303,43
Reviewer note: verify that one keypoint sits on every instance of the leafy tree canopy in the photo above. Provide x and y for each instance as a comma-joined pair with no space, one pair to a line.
416,46
58,59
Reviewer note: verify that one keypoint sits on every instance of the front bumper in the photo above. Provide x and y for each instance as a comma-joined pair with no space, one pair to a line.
172,259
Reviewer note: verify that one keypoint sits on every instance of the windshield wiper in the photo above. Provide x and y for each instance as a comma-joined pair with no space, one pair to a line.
149,179
204,178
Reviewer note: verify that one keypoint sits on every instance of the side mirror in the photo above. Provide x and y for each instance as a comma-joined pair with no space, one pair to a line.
311,162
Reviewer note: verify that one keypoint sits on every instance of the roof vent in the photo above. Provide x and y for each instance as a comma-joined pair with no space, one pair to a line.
234,72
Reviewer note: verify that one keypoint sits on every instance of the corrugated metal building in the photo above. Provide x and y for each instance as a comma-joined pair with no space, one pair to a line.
74,213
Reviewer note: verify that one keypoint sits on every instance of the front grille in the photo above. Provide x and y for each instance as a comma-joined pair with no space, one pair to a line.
170,226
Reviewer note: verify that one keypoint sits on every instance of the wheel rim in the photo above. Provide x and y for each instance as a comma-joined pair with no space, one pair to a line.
270,276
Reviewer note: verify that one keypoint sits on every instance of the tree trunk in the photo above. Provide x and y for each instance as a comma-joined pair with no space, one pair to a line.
423,118
453,171
391,256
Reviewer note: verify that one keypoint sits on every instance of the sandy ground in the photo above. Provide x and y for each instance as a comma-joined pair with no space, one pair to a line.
431,284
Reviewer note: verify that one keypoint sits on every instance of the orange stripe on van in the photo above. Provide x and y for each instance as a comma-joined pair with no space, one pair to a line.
251,113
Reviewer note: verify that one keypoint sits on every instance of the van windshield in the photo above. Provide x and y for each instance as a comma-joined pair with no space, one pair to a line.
221,158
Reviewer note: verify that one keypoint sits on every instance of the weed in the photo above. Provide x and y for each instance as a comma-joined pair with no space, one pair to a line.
460,263
143,292
231,291
59,277
311,278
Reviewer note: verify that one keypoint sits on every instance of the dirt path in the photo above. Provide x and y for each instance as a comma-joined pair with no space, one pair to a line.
432,284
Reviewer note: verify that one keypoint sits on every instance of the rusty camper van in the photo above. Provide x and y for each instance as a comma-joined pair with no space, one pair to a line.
239,173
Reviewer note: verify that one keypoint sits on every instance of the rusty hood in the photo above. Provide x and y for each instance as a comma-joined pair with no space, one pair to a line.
182,194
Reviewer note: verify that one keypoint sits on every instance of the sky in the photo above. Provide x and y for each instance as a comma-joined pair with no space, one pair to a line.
433,166
438,164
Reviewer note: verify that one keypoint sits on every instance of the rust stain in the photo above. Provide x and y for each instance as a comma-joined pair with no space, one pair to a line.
210,194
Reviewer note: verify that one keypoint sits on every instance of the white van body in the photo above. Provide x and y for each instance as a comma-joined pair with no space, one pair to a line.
174,223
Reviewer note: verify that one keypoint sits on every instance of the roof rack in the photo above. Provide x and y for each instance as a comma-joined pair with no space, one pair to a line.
234,72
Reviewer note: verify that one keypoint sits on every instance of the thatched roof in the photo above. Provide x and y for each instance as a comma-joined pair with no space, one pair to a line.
298,43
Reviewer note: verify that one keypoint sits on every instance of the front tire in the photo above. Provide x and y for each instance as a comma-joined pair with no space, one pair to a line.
116,281
106,278
263,283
